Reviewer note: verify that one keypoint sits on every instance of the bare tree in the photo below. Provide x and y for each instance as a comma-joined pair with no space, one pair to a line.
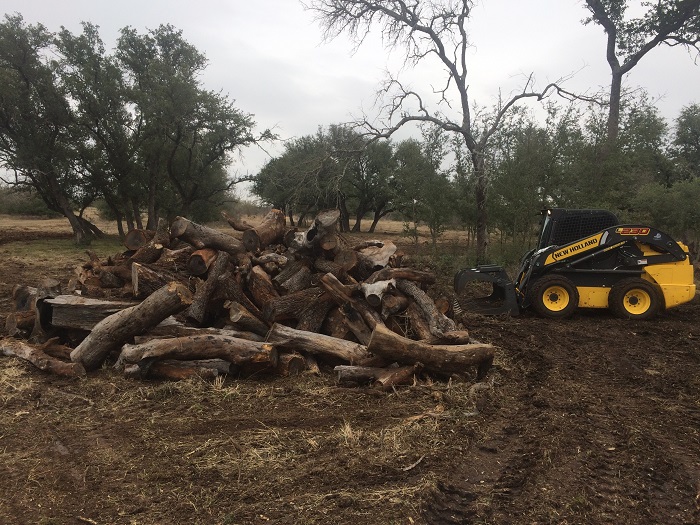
670,22
425,30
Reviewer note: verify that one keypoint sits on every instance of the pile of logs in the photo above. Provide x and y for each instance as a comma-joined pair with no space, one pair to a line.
189,300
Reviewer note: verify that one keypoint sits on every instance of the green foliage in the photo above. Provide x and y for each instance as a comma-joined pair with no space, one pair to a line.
13,202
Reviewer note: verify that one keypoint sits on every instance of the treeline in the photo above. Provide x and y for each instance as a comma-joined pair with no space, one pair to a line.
133,128
653,173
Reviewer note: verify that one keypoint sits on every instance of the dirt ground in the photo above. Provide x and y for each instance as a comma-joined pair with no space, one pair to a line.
591,420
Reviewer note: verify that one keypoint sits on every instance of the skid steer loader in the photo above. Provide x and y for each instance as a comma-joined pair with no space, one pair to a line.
586,259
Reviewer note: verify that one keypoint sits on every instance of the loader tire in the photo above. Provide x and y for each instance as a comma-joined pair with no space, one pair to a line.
634,298
554,296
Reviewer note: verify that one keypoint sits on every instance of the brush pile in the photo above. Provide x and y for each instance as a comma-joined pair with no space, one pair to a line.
189,300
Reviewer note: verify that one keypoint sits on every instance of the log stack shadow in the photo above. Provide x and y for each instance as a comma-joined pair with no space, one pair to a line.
188,300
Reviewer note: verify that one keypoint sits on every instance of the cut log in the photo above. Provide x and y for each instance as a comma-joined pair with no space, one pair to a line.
152,250
394,303
23,297
317,344
204,237
324,225
313,314
270,230
290,364
202,308
290,306
407,274
231,289
237,224
290,269
382,378
112,332
299,281
175,260
260,286
419,326
47,288
170,327
439,323
146,279
356,325
178,370
339,293
241,317
134,239
443,359
394,376
15,348
200,261
374,292
235,351
80,313
20,323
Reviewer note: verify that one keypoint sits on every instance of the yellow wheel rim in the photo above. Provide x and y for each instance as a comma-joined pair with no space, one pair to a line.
555,298
636,301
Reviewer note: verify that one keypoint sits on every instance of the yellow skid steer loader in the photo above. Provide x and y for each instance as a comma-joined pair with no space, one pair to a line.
585,259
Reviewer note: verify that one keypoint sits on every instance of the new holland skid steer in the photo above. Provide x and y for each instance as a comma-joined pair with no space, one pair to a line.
585,259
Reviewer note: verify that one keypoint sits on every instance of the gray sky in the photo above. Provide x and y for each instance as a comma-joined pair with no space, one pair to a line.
268,55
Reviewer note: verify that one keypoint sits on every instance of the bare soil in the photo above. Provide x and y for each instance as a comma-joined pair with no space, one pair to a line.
592,420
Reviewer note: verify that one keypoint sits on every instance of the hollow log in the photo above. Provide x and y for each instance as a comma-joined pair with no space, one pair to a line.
290,364
201,260
204,237
202,306
134,239
235,351
23,297
324,225
442,359
317,344
152,250
260,286
271,229
80,313
113,331
241,317
15,348
235,223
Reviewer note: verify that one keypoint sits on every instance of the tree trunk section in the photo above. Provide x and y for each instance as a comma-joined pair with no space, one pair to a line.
317,344
442,359
112,332
270,230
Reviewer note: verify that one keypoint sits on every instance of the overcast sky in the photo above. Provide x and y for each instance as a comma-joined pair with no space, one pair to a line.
269,56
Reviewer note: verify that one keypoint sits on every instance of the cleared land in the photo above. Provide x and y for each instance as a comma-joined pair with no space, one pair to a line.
591,420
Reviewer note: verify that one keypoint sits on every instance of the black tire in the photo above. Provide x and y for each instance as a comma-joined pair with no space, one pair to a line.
554,296
634,298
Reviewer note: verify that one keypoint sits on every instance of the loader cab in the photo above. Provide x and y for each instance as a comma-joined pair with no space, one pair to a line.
561,226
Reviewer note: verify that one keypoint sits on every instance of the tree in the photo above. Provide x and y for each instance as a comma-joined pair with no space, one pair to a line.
425,31
670,22
686,142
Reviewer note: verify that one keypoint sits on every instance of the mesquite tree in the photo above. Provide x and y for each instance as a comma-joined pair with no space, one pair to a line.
671,22
425,31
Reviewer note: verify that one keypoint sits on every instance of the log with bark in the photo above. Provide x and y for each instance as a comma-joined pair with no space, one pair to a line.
200,261
15,348
269,231
134,239
79,313
442,359
113,331
204,237
203,306
316,344
210,346
152,250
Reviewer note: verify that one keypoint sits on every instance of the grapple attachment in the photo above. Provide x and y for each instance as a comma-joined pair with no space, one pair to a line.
486,289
